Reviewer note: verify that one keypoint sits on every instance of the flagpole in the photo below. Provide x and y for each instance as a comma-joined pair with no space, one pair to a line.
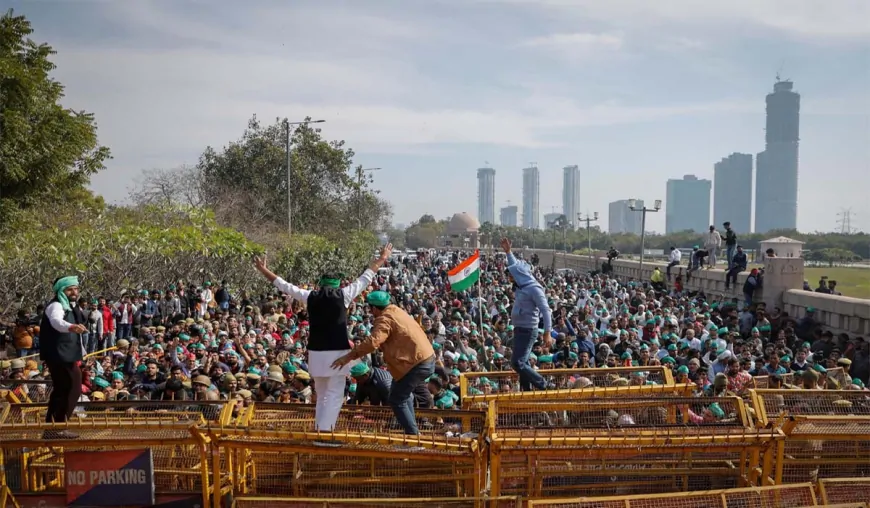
480,298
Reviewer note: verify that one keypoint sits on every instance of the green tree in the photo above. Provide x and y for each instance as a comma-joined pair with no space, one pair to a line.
46,150
249,176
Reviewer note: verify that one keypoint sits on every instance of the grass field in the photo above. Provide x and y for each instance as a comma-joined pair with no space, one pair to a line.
854,282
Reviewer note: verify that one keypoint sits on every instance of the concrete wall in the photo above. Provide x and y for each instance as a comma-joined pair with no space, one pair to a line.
712,282
783,280
841,314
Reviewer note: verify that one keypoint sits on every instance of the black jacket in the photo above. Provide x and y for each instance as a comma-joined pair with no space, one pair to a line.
327,316
55,346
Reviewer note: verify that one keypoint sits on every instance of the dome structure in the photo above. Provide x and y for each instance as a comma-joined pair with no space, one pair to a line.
462,224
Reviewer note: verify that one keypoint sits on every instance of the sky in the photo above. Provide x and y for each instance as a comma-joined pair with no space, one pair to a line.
634,92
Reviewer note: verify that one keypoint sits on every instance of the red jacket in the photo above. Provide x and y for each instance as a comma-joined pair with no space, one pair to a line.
108,320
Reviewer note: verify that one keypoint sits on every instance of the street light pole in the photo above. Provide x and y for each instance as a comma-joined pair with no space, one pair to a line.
288,150
589,219
360,171
643,211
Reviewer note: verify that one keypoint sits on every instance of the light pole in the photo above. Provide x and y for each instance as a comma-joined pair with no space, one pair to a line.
288,152
589,219
360,171
643,211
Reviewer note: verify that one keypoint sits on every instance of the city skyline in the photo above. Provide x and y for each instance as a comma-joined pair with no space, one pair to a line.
668,89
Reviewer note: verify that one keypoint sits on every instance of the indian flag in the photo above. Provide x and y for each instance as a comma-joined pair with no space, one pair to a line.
466,274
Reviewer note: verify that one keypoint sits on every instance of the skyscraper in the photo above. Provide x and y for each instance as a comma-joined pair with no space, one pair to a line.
531,198
732,192
776,175
620,218
571,193
687,205
508,216
486,195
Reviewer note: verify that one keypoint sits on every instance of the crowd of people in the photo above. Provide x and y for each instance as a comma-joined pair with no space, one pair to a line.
398,336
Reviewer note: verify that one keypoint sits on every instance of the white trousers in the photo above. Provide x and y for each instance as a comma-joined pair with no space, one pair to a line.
330,397
329,384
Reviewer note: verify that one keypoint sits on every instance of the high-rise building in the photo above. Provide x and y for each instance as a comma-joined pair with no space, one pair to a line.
486,195
531,198
571,193
508,216
687,205
776,168
732,192
621,219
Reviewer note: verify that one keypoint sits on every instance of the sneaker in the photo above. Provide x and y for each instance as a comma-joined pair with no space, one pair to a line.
328,444
59,434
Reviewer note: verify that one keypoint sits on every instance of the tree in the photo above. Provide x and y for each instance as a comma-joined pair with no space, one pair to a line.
325,193
45,149
168,187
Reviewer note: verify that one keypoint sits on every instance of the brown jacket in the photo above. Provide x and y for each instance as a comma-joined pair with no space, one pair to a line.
400,338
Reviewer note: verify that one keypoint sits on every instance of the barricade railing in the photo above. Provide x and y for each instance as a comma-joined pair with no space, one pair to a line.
776,496
565,379
845,490
563,456
272,451
609,392
441,502
33,453
826,432
771,405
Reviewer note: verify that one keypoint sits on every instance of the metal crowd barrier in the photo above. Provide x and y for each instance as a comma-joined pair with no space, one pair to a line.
271,450
826,431
33,452
778,496
845,490
481,402
627,446
564,379
441,502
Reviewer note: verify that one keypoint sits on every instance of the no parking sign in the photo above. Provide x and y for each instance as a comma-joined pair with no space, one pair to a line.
109,478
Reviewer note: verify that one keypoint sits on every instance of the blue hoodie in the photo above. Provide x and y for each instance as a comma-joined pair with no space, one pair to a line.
530,303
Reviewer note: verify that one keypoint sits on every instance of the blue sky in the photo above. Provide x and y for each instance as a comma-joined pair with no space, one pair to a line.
633,92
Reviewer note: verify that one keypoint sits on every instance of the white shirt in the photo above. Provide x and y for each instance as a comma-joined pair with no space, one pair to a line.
351,291
55,314
675,256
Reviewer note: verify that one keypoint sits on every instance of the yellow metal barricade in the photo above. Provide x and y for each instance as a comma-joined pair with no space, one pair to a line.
273,451
627,446
845,490
441,502
508,381
33,452
777,496
826,432
609,392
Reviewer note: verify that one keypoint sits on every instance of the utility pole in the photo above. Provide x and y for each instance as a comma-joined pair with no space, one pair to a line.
360,171
589,219
288,150
644,211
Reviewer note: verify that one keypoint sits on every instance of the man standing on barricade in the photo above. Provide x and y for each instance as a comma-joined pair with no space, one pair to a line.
530,307
61,349
328,340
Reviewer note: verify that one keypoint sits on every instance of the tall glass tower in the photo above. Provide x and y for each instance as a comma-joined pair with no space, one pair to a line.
776,168
486,195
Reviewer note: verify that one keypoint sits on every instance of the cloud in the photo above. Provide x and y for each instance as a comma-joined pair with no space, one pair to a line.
575,42
809,18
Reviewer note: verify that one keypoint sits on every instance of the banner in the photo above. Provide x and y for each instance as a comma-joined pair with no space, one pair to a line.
109,478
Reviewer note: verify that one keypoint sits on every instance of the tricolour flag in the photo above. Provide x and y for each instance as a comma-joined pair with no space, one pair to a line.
466,274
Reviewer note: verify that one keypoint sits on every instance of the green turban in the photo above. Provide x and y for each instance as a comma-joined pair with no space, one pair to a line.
378,298
359,369
60,285
101,382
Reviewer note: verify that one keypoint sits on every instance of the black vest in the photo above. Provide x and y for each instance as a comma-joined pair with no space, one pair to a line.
55,346
327,317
